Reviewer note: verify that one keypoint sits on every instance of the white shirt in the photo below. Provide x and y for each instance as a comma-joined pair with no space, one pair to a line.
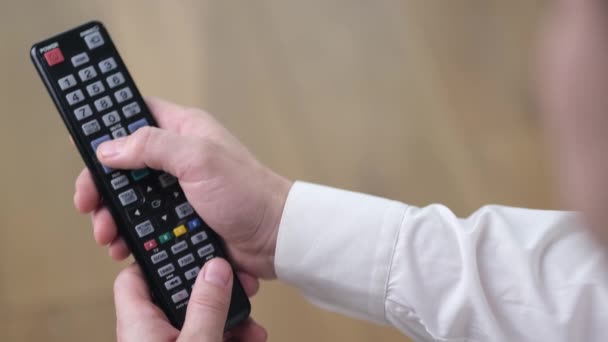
502,274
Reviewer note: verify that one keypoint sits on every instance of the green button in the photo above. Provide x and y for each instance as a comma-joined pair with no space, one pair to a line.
165,237
139,174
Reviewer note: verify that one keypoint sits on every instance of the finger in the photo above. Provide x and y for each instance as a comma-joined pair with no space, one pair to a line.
118,249
249,331
168,115
130,292
153,147
251,284
208,305
104,227
86,197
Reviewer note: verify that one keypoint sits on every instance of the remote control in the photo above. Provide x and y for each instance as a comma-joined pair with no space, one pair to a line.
99,101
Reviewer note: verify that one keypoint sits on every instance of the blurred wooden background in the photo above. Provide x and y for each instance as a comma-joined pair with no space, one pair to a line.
423,101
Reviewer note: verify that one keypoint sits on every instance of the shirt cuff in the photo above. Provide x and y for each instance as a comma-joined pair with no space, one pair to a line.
336,246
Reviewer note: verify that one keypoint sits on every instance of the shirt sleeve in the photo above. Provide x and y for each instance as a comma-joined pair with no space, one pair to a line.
502,274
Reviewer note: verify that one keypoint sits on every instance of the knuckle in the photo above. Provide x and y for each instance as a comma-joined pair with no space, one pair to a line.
212,302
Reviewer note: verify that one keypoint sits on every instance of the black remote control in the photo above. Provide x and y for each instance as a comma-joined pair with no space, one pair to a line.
99,101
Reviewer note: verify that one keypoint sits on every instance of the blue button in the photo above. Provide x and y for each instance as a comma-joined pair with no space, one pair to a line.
95,143
195,223
139,174
137,125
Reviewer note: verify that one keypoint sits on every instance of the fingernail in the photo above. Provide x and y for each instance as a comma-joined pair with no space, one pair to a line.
217,272
111,148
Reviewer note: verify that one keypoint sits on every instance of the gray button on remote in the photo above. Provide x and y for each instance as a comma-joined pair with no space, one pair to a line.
107,65
144,228
167,269
119,182
205,250
184,210
137,125
198,238
127,197
67,82
158,257
94,40
111,118
192,273
75,97
87,73
178,247
173,283
95,88
80,59
119,133
123,95
115,80
103,103
186,260
179,296
166,180
83,112
131,109
91,127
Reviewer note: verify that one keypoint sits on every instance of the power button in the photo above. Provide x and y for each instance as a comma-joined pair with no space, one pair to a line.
53,56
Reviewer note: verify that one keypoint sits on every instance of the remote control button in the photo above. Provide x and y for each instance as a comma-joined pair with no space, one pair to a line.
164,217
127,197
166,180
83,112
205,250
111,118
67,82
91,127
135,214
150,244
53,57
137,125
192,273
107,65
166,237
131,109
119,133
95,143
103,103
165,270
123,95
80,59
94,40
87,73
198,238
185,260
155,203
179,231
115,80
139,174
144,228
194,224
95,88
173,283
75,97
179,296
183,210
158,257
178,247
119,182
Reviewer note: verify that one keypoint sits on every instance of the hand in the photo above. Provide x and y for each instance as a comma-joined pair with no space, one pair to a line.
573,97
241,199
138,319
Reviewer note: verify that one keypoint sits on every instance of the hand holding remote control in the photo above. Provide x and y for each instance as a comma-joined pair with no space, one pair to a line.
236,195
138,318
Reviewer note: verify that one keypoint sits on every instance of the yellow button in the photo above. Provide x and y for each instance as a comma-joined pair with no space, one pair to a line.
181,230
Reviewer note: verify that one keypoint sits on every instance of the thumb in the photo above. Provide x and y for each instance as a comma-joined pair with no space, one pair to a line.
149,147
209,303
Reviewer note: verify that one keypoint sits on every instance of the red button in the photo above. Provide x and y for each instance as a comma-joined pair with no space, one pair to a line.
150,244
53,56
